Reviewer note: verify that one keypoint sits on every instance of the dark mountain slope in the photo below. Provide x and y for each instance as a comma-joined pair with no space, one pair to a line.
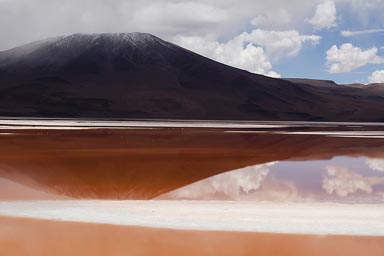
138,75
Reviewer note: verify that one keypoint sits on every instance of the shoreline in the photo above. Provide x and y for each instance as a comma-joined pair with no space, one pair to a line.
282,218
172,123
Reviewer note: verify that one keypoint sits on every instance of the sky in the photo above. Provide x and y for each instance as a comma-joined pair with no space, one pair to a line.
340,40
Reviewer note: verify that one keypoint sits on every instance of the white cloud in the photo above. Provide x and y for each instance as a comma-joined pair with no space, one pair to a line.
234,53
280,44
348,58
342,181
179,17
376,164
348,33
325,15
376,77
250,51
277,19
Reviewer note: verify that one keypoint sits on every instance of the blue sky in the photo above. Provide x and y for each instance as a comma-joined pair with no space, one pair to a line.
340,40
354,29
311,62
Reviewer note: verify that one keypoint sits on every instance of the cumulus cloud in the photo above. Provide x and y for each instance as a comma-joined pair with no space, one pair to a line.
348,58
343,181
325,15
376,164
250,51
349,33
234,53
376,77
280,44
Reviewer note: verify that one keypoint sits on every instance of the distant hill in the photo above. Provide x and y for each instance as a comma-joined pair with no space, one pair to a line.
312,82
137,75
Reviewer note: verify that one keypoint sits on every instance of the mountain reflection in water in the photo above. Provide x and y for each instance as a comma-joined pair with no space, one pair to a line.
196,163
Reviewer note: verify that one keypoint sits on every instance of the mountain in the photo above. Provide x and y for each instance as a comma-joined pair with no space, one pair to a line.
138,75
331,84
313,82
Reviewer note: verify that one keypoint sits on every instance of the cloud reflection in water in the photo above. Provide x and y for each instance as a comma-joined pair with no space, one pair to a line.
341,179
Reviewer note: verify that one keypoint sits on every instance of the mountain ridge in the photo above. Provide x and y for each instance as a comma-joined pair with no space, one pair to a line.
138,75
